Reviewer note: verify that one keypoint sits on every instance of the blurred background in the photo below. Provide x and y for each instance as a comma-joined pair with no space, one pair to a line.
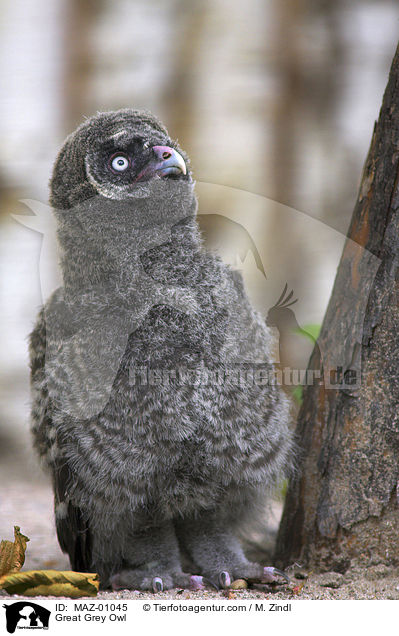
273,100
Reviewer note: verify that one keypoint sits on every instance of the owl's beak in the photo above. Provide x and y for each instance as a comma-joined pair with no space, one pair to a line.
169,161
164,161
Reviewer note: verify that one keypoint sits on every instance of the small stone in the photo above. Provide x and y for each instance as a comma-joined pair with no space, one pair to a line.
331,579
376,572
239,584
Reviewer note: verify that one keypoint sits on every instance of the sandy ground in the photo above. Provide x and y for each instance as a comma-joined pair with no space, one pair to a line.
29,505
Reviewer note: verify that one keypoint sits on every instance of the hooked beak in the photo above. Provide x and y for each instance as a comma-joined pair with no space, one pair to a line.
165,161
169,161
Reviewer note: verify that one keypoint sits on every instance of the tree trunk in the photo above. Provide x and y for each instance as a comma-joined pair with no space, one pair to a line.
342,506
79,59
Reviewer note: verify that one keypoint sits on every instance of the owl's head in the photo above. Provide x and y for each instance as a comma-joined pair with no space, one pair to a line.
115,155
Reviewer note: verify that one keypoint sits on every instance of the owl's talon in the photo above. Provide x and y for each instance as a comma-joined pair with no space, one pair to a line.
224,579
196,582
270,574
157,584
210,583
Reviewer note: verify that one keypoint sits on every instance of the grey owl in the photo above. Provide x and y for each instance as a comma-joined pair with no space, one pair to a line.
153,402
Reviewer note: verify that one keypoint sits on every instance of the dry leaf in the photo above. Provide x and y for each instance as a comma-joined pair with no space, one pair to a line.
51,583
229,594
12,555
297,589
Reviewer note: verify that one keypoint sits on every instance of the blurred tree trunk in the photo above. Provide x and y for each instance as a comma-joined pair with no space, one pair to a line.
79,59
180,95
342,507
288,56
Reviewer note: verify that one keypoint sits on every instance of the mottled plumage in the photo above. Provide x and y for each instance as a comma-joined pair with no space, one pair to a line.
157,447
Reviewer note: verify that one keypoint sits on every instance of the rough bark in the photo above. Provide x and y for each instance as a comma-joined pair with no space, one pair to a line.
342,506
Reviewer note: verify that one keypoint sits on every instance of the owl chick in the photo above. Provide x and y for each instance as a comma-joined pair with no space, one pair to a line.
154,406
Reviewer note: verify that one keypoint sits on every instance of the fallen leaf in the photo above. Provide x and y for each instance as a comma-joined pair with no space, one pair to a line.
51,583
12,555
229,594
297,589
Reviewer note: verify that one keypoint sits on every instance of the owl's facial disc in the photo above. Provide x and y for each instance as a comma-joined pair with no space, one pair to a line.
121,165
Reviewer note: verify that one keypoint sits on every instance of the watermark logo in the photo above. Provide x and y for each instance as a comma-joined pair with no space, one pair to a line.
26,615
94,333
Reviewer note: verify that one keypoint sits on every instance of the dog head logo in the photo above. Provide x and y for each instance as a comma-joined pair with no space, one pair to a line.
26,615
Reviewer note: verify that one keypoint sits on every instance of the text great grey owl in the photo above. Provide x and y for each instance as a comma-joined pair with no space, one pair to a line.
153,401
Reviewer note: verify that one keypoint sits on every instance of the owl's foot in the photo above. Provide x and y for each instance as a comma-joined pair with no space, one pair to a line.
270,575
142,580
251,572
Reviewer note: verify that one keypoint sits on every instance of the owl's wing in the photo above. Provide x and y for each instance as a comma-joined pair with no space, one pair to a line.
72,530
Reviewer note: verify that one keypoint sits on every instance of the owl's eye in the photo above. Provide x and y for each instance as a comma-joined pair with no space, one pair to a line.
119,163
